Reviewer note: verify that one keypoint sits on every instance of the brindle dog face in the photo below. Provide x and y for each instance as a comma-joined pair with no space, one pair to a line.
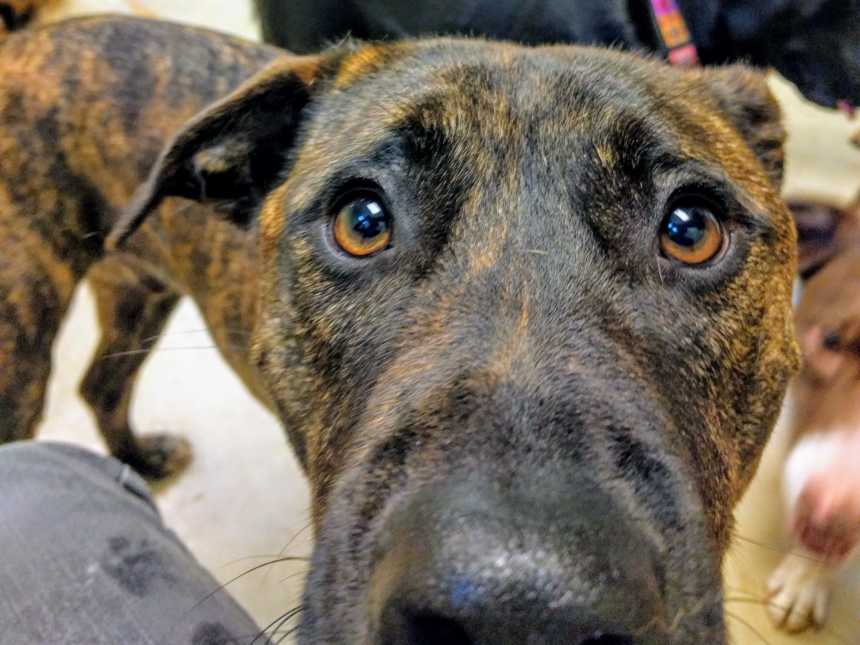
526,415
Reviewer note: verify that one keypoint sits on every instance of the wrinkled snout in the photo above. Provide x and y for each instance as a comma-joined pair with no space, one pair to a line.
470,563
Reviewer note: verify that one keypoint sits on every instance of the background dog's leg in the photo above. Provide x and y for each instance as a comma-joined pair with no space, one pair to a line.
35,290
133,309
820,487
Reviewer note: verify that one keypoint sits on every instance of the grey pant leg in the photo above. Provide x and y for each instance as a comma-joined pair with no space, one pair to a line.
85,559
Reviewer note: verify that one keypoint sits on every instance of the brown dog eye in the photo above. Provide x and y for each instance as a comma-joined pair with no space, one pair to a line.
362,227
691,234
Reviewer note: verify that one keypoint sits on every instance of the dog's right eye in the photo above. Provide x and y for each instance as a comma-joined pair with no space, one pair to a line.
362,226
691,234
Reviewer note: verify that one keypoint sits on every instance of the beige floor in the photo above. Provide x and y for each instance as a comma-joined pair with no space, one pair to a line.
244,502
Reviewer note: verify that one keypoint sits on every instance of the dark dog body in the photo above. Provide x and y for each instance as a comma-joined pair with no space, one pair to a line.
813,43
521,420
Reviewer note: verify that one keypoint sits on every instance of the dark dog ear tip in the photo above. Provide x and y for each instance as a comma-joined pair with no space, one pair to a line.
143,202
127,224
115,240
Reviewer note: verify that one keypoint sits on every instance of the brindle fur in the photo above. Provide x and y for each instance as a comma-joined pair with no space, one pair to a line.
85,108
520,373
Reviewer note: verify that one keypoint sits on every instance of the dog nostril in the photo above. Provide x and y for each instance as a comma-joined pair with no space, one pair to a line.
608,639
431,629
832,341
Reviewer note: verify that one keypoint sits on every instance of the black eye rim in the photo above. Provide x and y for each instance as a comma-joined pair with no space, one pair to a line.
347,195
693,199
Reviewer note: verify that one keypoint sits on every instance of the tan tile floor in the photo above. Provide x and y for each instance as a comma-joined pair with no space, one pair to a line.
244,501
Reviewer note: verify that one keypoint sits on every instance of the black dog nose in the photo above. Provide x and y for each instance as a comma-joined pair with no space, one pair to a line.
466,564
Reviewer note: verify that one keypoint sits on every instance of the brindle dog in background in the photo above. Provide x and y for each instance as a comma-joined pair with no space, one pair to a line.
525,313
85,109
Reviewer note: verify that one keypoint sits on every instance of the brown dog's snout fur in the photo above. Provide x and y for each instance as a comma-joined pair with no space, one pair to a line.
535,460
521,324
828,328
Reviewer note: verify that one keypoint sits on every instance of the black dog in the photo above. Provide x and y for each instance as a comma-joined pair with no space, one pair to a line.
813,43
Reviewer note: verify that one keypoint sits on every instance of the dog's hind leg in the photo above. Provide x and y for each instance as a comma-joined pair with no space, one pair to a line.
35,290
133,309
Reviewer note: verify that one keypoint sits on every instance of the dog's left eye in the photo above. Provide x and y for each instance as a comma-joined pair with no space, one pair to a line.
691,234
362,226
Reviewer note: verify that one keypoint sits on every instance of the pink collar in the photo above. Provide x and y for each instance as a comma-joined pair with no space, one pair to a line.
677,43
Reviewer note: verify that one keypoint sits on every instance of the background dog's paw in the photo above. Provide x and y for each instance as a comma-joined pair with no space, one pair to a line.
799,593
160,456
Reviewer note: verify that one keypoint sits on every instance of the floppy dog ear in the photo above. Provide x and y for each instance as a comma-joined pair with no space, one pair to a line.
231,154
742,94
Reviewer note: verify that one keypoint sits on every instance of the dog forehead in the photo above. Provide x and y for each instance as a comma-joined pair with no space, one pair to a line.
453,77
482,95
416,62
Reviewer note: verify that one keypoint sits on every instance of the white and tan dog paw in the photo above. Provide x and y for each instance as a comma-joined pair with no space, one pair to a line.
799,592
